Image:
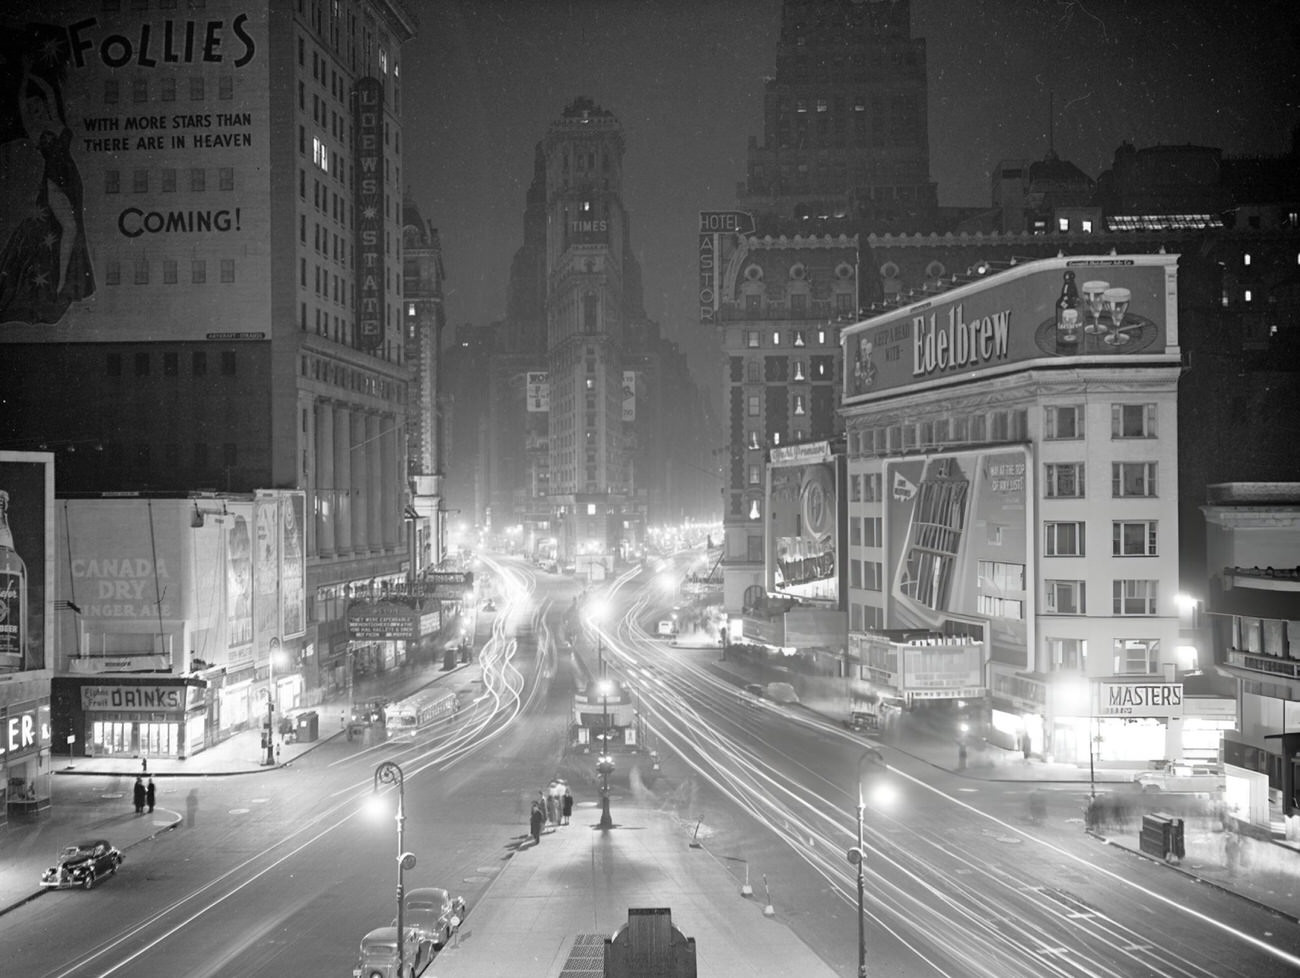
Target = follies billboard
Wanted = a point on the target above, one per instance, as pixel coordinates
(1120, 306)
(134, 171)
(803, 537)
(957, 546)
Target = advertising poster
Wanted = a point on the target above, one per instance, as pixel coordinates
(266, 569)
(956, 545)
(239, 583)
(1120, 307)
(803, 540)
(293, 570)
(26, 563)
(539, 392)
(629, 395)
(133, 159)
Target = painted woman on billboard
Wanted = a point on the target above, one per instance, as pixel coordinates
(45, 263)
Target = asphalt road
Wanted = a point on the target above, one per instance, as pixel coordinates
(282, 874)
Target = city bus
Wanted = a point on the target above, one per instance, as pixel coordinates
(404, 718)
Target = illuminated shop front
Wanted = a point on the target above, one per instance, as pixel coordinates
(25, 757)
(155, 716)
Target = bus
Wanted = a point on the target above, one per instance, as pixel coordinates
(404, 718)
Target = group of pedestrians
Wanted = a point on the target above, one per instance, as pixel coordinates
(554, 807)
(144, 795)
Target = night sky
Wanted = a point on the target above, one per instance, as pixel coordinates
(685, 78)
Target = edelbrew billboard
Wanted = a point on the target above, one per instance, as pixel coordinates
(1125, 307)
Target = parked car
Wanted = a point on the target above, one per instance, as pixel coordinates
(83, 865)
(1182, 776)
(434, 914)
(377, 957)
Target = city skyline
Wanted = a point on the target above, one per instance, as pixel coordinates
(485, 79)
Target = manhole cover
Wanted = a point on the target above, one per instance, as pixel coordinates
(239, 811)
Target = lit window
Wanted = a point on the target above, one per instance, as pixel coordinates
(1086, 225)
(1062, 224)
(1247, 296)
(1245, 259)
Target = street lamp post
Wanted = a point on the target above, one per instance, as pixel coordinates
(606, 763)
(859, 856)
(270, 701)
(391, 773)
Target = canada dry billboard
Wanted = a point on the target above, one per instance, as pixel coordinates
(1122, 306)
(956, 541)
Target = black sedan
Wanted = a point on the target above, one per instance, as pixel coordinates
(83, 865)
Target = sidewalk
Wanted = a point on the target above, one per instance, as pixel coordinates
(28, 845)
(550, 909)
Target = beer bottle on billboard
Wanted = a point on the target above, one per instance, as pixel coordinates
(13, 596)
(1069, 299)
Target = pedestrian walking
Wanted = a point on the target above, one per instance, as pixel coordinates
(150, 795)
(567, 802)
(138, 794)
(535, 823)
(553, 802)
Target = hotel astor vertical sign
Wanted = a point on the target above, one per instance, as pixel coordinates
(369, 177)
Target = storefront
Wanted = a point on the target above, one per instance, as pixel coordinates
(154, 717)
(25, 756)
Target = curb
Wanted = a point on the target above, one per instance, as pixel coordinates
(1194, 877)
(138, 842)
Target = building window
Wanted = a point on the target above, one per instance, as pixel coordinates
(140, 181)
(1135, 538)
(871, 487)
(1134, 597)
(113, 272)
(227, 363)
(142, 365)
(1136, 656)
(1063, 539)
(226, 87)
(855, 532)
(753, 405)
(140, 90)
(755, 475)
(169, 180)
(199, 364)
(872, 531)
(113, 365)
(112, 182)
(198, 271)
(1132, 479)
(873, 575)
(168, 88)
(995, 607)
(855, 573)
(110, 91)
(1132, 420)
(169, 271)
(171, 364)
(227, 269)
(1067, 654)
(141, 272)
(1065, 597)
(1063, 421)
(1001, 576)
(1063, 480)
(196, 88)
(226, 177)
(198, 178)
(752, 339)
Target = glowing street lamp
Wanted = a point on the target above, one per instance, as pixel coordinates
(391, 773)
(858, 854)
(605, 765)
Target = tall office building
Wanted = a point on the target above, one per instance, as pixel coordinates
(202, 228)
